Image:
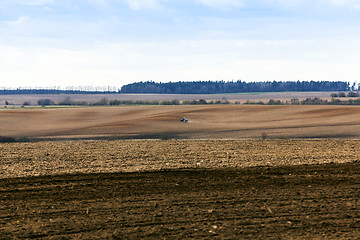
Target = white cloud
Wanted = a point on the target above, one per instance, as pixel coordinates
(20, 21)
(143, 4)
(223, 4)
(284, 3)
(34, 2)
(319, 3)
(229, 4)
(50, 48)
(354, 4)
(217, 4)
(342, 2)
(120, 63)
(101, 3)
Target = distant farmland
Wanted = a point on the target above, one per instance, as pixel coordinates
(205, 122)
(92, 98)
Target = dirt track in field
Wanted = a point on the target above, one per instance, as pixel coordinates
(205, 122)
(296, 202)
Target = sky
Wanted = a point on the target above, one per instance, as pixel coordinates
(62, 43)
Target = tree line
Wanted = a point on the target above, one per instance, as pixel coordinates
(49, 91)
(200, 87)
(307, 101)
(106, 102)
(216, 87)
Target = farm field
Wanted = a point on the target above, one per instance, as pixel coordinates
(205, 122)
(231, 172)
(180, 189)
(73, 157)
(18, 100)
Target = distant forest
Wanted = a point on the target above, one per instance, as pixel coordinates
(214, 87)
(203, 87)
(49, 91)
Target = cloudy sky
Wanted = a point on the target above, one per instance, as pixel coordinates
(46, 43)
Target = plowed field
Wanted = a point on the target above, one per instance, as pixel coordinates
(180, 189)
(68, 157)
(205, 122)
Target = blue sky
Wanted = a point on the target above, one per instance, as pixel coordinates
(48, 43)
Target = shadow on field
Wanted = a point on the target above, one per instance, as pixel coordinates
(309, 201)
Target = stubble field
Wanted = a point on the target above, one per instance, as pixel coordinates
(202, 187)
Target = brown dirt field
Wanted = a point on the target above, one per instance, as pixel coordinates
(68, 157)
(303, 202)
(180, 189)
(206, 122)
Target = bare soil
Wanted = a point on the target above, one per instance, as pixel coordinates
(69, 157)
(205, 122)
(294, 202)
(180, 189)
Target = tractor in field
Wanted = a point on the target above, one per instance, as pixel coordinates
(184, 120)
